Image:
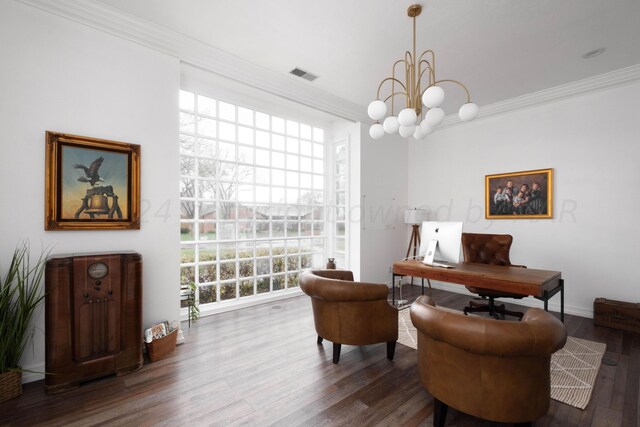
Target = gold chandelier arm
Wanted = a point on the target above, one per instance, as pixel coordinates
(399, 61)
(393, 80)
(432, 74)
(418, 90)
(415, 68)
(393, 75)
(432, 65)
(409, 76)
(429, 51)
(433, 57)
(424, 61)
(394, 94)
(422, 74)
(459, 84)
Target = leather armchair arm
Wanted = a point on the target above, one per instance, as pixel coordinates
(550, 333)
(539, 333)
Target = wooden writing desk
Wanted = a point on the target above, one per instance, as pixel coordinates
(540, 284)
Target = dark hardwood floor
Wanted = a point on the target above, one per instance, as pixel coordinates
(262, 366)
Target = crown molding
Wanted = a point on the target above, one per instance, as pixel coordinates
(188, 50)
(592, 84)
(113, 21)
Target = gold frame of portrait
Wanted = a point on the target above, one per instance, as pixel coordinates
(549, 190)
(53, 184)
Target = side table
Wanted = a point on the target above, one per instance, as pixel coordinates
(187, 294)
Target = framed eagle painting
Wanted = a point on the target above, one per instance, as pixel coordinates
(91, 184)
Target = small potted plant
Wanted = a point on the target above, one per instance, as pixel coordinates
(188, 294)
(21, 293)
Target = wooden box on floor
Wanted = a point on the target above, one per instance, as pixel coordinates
(159, 348)
(616, 315)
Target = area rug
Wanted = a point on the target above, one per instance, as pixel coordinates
(407, 334)
(574, 368)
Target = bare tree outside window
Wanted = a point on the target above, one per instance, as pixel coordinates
(251, 199)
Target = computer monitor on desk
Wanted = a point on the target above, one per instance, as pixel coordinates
(440, 241)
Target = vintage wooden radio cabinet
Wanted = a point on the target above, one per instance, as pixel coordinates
(93, 317)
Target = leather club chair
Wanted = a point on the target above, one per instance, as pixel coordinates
(489, 249)
(497, 370)
(348, 312)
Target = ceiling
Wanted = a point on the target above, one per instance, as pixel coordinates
(499, 49)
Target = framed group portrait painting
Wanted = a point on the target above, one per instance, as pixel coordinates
(91, 184)
(513, 195)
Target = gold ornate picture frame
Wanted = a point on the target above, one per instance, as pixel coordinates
(516, 195)
(91, 184)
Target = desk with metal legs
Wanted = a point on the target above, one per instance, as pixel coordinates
(540, 284)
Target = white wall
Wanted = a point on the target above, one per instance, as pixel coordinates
(62, 76)
(383, 175)
(592, 143)
(349, 132)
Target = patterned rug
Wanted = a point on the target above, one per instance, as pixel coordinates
(574, 368)
(407, 334)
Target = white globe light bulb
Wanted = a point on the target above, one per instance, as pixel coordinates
(377, 109)
(426, 128)
(433, 96)
(391, 125)
(407, 131)
(468, 112)
(376, 131)
(419, 133)
(434, 116)
(407, 117)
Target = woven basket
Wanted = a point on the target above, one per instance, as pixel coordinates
(10, 385)
(159, 348)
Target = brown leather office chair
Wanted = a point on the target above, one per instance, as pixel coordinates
(497, 370)
(489, 249)
(348, 312)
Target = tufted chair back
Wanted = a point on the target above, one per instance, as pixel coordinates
(348, 312)
(487, 248)
(497, 370)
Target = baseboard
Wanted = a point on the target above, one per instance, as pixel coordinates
(223, 306)
(180, 339)
(36, 374)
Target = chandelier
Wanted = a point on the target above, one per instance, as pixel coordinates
(418, 72)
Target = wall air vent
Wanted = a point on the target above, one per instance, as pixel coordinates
(304, 74)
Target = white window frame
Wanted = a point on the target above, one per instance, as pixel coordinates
(342, 256)
(317, 257)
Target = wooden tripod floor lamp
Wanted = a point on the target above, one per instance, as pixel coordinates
(414, 217)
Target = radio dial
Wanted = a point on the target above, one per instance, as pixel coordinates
(98, 270)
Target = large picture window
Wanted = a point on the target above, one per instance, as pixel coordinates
(252, 199)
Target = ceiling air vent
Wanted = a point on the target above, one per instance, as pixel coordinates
(304, 74)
